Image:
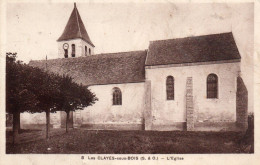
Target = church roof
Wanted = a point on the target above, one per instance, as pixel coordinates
(75, 28)
(214, 47)
(112, 68)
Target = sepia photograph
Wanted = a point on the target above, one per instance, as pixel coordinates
(94, 77)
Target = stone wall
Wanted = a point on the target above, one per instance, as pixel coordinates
(241, 104)
(38, 120)
(104, 115)
(169, 112)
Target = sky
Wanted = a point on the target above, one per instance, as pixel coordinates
(33, 28)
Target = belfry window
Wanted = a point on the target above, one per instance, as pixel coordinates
(212, 86)
(66, 53)
(117, 96)
(73, 52)
(86, 50)
(170, 88)
(89, 51)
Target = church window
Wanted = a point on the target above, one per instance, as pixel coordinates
(66, 53)
(86, 50)
(212, 86)
(89, 51)
(170, 88)
(117, 96)
(73, 50)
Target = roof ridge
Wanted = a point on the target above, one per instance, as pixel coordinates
(95, 56)
(120, 52)
(78, 21)
(191, 37)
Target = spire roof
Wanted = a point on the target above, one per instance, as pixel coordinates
(75, 28)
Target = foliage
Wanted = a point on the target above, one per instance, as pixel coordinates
(248, 138)
(19, 96)
(27, 88)
(73, 96)
(33, 90)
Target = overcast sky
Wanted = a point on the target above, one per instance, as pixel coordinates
(33, 28)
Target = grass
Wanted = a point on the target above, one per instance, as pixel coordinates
(80, 141)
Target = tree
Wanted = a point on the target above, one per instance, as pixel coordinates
(73, 97)
(32, 90)
(18, 96)
(29, 89)
(46, 91)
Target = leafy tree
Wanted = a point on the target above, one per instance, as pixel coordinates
(29, 89)
(73, 97)
(32, 90)
(19, 97)
(46, 89)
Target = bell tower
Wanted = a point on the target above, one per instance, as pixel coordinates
(75, 41)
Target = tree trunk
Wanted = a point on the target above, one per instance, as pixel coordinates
(67, 121)
(47, 123)
(16, 115)
(19, 123)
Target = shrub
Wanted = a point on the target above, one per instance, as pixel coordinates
(248, 138)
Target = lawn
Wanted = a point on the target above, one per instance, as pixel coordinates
(80, 141)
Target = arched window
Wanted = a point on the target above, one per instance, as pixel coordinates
(89, 51)
(117, 96)
(86, 50)
(66, 53)
(73, 52)
(212, 86)
(170, 88)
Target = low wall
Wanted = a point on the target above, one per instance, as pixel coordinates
(113, 126)
(177, 126)
(215, 126)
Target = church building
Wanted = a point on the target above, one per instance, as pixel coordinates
(190, 83)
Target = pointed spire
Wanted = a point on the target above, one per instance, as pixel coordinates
(75, 28)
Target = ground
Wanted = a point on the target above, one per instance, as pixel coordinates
(80, 141)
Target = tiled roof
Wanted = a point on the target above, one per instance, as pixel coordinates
(75, 28)
(215, 47)
(113, 68)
